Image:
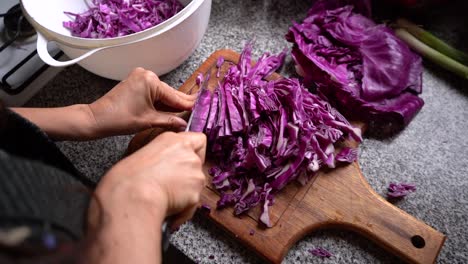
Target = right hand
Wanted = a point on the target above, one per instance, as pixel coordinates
(165, 174)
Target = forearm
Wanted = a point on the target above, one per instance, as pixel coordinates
(75, 122)
(123, 229)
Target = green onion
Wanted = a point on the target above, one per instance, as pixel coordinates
(432, 54)
(432, 41)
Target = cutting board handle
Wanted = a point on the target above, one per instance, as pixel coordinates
(372, 216)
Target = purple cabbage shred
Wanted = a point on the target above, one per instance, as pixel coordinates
(116, 18)
(400, 190)
(199, 79)
(347, 155)
(320, 252)
(219, 63)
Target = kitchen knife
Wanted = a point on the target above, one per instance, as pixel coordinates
(204, 86)
(166, 232)
(189, 122)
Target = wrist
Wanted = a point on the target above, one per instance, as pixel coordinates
(124, 223)
(146, 202)
(83, 124)
(91, 124)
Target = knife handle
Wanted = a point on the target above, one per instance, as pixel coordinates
(166, 235)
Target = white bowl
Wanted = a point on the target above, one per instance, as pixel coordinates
(161, 48)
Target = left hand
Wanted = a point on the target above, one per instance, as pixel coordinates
(129, 107)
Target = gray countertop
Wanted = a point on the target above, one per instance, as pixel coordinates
(431, 152)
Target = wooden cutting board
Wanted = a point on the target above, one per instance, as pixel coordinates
(338, 198)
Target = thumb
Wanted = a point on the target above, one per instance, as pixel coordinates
(167, 120)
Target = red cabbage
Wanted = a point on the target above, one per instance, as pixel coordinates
(264, 134)
(201, 109)
(347, 155)
(320, 252)
(199, 79)
(219, 63)
(400, 190)
(361, 68)
(115, 18)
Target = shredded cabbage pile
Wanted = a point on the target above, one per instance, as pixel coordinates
(360, 67)
(264, 134)
(115, 18)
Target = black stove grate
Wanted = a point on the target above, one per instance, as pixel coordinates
(5, 86)
(18, 27)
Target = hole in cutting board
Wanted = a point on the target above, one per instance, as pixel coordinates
(418, 241)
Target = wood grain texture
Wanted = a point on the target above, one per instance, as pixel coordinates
(338, 198)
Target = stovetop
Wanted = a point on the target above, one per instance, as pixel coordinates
(22, 72)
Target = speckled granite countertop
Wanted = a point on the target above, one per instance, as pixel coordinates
(432, 152)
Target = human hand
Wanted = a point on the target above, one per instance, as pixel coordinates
(164, 178)
(129, 107)
(166, 175)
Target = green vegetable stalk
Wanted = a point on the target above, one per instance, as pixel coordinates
(433, 41)
(432, 54)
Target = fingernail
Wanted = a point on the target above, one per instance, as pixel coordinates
(182, 128)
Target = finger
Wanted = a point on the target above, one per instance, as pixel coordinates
(184, 115)
(190, 97)
(183, 217)
(198, 143)
(160, 106)
(173, 98)
(168, 120)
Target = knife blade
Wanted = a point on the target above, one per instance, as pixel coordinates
(166, 232)
(204, 86)
(189, 122)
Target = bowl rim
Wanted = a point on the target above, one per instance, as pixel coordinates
(79, 42)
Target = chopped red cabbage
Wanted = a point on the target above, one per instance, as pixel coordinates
(361, 68)
(400, 190)
(199, 79)
(219, 63)
(264, 134)
(320, 252)
(115, 18)
(347, 155)
(201, 110)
